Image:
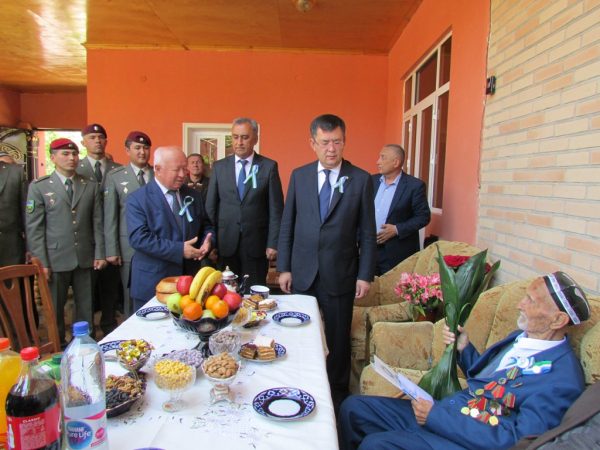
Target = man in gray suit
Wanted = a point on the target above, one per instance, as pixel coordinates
(13, 193)
(118, 184)
(65, 232)
(327, 241)
(244, 203)
(95, 167)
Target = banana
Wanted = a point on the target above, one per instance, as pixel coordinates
(214, 278)
(199, 280)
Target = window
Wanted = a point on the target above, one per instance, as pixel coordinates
(426, 99)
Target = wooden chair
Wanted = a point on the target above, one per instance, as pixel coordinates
(14, 320)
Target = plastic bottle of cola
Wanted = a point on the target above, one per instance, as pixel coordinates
(33, 408)
(83, 396)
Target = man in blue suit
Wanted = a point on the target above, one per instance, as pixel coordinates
(327, 241)
(166, 222)
(401, 209)
(520, 386)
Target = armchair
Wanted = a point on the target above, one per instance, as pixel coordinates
(412, 348)
(383, 305)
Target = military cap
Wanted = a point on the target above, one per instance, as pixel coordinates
(139, 137)
(63, 144)
(93, 128)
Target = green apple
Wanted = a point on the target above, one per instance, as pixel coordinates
(173, 303)
(208, 313)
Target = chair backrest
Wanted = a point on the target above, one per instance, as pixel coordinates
(17, 318)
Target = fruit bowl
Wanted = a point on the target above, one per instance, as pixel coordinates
(204, 327)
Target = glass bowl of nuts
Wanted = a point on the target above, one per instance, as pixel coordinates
(174, 377)
(220, 370)
(225, 342)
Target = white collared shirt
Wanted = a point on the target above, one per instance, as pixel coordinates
(168, 196)
(333, 176)
(524, 347)
(247, 167)
(93, 162)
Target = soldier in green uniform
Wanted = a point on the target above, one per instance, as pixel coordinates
(119, 183)
(95, 167)
(65, 231)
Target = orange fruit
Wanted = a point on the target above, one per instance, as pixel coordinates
(220, 309)
(193, 311)
(185, 300)
(210, 301)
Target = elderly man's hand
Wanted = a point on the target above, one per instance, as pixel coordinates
(448, 337)
(205, 249)
(189, 251)
(421, 409)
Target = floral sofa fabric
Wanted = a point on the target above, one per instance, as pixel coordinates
(412, 348)
(383, 305)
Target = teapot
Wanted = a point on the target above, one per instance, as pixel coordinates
(231, 283)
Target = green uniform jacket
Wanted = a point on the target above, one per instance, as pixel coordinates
(13, 192)
(87, 171)
(119, 183)
(61, 235)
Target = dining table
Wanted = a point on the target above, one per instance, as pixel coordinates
(230, 425)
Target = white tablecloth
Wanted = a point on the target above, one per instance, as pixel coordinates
(224, 425)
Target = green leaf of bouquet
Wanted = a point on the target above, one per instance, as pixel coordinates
(451, 315)
(470, 275)
(447, 278)
(484, 284)
(464, 314)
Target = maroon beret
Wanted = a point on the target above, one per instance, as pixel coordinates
(139, 137)
(63, 144)
(93, 128)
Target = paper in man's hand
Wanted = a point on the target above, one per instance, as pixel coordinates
(400, 381)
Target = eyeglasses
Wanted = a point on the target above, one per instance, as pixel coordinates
(337, 144)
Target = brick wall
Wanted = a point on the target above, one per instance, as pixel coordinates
(540, 166)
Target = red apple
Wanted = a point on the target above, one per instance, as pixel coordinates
(184, 283)
(233, 300)
(219, 290)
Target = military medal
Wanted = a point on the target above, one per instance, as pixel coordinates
(465, 410)
(498, 391)
(516, 385)
(512, 373)
(538, 368)
(509, 400)
(484, 417)
(491, 385)
(493, 421)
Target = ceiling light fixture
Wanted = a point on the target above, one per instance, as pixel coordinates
(304, 5)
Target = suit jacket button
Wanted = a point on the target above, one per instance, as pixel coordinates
(319, 249)
(73, 211)
(74, 222)
(75, 244)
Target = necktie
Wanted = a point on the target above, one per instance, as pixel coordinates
(325, 195)
(98, 172)
(175, 208)
(241, 178)
(141, 178)
(69, 184)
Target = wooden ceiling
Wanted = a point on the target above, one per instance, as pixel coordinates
(43, 42)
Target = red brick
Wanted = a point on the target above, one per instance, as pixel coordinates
(496, 189)
(549, 72)
(545, 266)
(551, 175)
(558, 83)
(590, 246)
(510, 76)
(515, 216)
(582, 57)
(563, 257)
(589, 107)
(539, 220)
(526, 27)
(509, 127)
(524, 176)
(532, 121)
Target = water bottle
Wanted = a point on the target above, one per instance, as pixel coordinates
(83, 396)
(33, 408)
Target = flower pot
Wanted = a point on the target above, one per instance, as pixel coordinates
(430, 315)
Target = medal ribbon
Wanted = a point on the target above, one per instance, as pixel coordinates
(340, 184)
(252, 175)
(187, 201)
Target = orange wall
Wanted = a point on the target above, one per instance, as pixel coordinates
(65, 111)
(156, 91)
(10, 108)
(469, 21)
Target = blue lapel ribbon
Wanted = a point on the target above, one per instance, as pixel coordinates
(185, 209)
(252, 175)
(340, 184)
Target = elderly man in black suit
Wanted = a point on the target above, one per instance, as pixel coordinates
(244, 203)
(401, 209)
(329, 207)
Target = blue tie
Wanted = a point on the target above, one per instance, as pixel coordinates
(325, 195)
(241, 178)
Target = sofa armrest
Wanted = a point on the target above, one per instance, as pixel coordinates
(372, 298)
(403, 345)
(397, 312)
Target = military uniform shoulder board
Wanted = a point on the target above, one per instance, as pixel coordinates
(45, 177)
(30, 206)
(116, 169)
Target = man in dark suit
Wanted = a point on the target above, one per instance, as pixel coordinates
(65, 232)
(166, 222)
(119, 183)
(13, 194)
(95, 167)
(401, 209)
(329, 205)
(245, 202)
(520, 386)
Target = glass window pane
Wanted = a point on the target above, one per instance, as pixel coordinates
(445, 54)
(427, 78)
(407, 159)
(442, 126)
(407, 94)
(413, 145)
(425, 145)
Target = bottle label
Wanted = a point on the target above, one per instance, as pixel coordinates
(89, 432)
(28, 433)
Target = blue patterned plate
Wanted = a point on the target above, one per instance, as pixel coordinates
(279, 352)
(284, 403)
(291, 318)
(153, 313)
(109, 346)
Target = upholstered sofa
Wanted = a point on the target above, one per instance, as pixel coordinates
(411, 348)
(382, 303)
